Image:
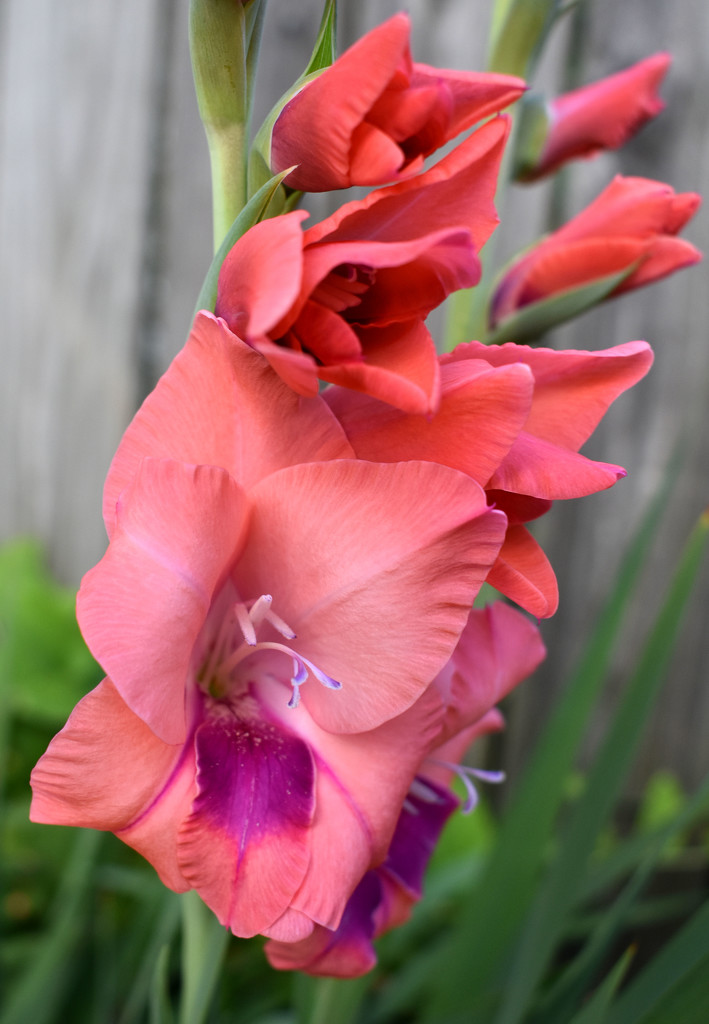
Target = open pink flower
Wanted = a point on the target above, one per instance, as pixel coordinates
(603, 115)
(513, 418)
(252, 557)
(345, 301)
(629, 229)
(498, 649)
(374, 115)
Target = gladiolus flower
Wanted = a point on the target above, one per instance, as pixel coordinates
(345, 301)
(603, 115)
(374, 115)
(269, 653)
(513, 418)
(626, 235)
(498, 649)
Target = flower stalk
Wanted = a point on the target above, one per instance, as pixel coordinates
(224, 40)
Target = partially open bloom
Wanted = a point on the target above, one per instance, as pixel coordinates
(628, 235)
(345, 301)
(513, 418)
(498, 649)
(603, 115)
(270, 613)
(374, 115)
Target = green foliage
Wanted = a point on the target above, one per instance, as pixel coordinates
(519, 31)
(325, 49)
(268, 201)
(528, 324)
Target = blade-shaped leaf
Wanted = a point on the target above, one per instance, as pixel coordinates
(530, 322)
(256, 209)
(594, 1012)
(520, 28)
(653, 996)
(575, 979)
(469, 961)
(325, 47)
(563, 881)
(37, 994)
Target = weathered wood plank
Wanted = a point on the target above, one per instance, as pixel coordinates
(104, 220)
(77, 90)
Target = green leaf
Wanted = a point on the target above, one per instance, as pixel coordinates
(325, 48)
(563, 881)
(520, 29)
(594, 1012)
(329, 1000)
(45, 666)
(204, 942)
(147, 985)
(38, 992)
(489, 919)
(574, 980)
(530, 322)
(687, 1001)
(684, 961)
(258, 208)
(532, 130)
(219, 49)
(160, 1008)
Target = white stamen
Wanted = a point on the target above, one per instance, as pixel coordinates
(464, 773)
(260, 609)
(282, 627)
(424, 792)
(246, 624)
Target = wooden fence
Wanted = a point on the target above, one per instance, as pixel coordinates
(104, 238)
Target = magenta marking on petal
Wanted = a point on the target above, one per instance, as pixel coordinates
(417, 833)
(253, 776)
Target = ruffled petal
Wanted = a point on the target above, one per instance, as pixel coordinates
(474, 95)
(393, 554)
(572, 389)
(411, 277)
(522, 572)
(481, 413)
(106, 769)
(498, 648)
(260, 278)
(399, 367)
(349, 87)
(363, 779)
(219, 404)
(457, 192)
(544, 470)
(345, 952)
(178, 529)
(244, 848)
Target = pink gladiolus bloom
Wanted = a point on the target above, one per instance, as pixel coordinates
(345, 301)
(374, 115)
(498, 649)
(630, 227)
(603, 115)
(513, 418)
(270, 613)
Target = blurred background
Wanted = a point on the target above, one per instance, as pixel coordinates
(105, 237)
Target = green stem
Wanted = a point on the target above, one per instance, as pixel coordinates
(329, 1000)
(204, 943)
(220, 37)
(467, 310)
(227, 155)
